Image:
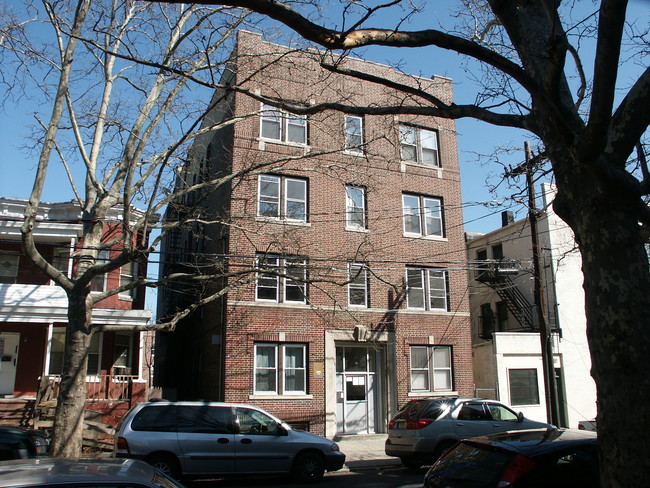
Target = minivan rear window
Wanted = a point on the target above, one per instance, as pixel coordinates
(422, 409)
(160, 418)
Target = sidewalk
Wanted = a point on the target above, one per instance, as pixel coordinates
(365, 451)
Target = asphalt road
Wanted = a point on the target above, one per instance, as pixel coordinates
(367, 478)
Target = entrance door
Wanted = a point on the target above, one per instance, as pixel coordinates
(356, 385)
(9, 358)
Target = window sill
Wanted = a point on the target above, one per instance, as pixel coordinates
(264, 141)
(272, 220)
(360, 230)
(425, 238)
(404, 164)
(416, 394)
(274, 302)
(358, 154)
(261, 396)
(125, 298)
(425, 311)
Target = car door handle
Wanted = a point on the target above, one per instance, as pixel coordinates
(246, 441)
(223, 440)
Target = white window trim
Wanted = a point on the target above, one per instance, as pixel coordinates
(285, 120)
(91, 377)
(129, 295)
(418, 146)
(275, 368)
(300, 262)
(129, 358)
(422, 217)
(277, 279)
(431, 369)
(103, 260)
(13, 260)
(280, 281)
(349, 208)
(353, 150)
(364, 275)
(283, 198)
(425, 274)
(280, 371)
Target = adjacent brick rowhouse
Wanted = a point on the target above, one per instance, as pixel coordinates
(212, 353)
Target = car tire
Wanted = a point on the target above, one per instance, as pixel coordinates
(411, 463)
(308, 467)
(165, 463)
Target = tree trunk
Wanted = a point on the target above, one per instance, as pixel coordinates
(617, 300)
(69, 416)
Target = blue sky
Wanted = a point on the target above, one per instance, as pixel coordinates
(481, 209)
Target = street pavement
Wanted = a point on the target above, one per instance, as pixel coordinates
(365, 451)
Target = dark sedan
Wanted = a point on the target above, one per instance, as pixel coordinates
(555, 458)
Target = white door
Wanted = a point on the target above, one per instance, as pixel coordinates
(9, 358)
(356, 393)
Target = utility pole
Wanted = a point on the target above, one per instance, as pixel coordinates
(552, 404)
(546, 342)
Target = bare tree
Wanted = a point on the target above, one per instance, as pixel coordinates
(127, 83)
(537, 81)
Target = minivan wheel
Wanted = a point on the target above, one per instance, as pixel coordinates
(308, 466)
(166, 464)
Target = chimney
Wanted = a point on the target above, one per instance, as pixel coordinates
(507, 218)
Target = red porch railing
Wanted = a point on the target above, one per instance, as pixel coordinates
(99, 388)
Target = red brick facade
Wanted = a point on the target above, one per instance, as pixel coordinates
(326, 323)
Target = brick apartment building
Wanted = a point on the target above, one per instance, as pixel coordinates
(354, 226)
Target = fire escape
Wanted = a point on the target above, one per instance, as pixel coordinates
(497, 275)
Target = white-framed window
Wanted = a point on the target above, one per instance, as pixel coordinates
(57, 347)
(9, 267)
(279, 125)
(123, 353)
(358, 285)
(285, 279)
(419, 145)
(431, 368)
(100, 282)
(128, 274)
(422, 215)
(61, 260)
(355, 207)
(354, 134)
(280, 369)
(426, 289)
(282, 198)
(523, 386)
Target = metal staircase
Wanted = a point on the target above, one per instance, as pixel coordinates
(496, 275)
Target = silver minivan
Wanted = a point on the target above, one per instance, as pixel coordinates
(196, 439)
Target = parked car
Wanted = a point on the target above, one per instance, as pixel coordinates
(21, 442)
(424, 428)
(558, 458)
(192, 439)
(82, 473)
(589, 425)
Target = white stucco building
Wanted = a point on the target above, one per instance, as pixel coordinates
(506, 343)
